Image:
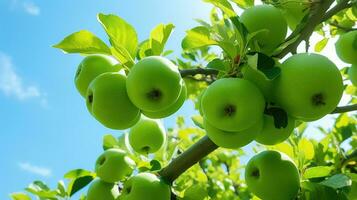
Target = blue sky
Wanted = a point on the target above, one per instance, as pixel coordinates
(46, 129)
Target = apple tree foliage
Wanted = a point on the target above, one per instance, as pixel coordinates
(195, 167)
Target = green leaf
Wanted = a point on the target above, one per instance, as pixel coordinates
(79, 183)
(122, 36)
(79, 178)
(218, 64)
(265, 64)
(337, 181)
(317, 172)
(320, 45)
(61, 189)
(144, 50)
(224, 5)
(78, 173)
(155, 165)
(314, 191)
(83, 42)
(41, 190)
(198, 120)
(244, 3)
(109, 141)
(196, 38)
(306, 148)
(159, 37)
(20, 196)
(280, 116)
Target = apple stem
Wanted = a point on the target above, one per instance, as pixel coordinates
(187, 159)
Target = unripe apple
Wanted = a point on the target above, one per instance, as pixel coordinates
(233, 140)
(147, 136)
(232, 104)
(108, 102)
(114, 165)
(270, 135)
(99, 190)
(269, 18)
(352, 74)
(309, 87)
(346, 47)
(171, 109)
(145, 186)
(272, 175)
(154, 84)
(91, 67)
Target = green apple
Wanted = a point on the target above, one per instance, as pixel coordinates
(260, 80)
(154, 84)
(309, 87)
(269, 19)
(147, 136)
(352, 74)
(145, 186)
(108, 101)
(171, 109)
(346, 47)
(233, 140)
(100, 190)
(114, 165)
(232, 104)
(196, 192)
(272, 175)
(270, 135)
(90, 68)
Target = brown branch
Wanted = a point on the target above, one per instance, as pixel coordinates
(344, 109)
(333, 11)
(313, 20)
(342, 27)
(187, 159)
(196, 71)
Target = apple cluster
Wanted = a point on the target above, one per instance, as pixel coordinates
(114, 166)
(239, 110)
(153, 87)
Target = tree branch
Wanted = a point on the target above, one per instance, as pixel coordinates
(341, 27)
(344, 109)
(333, 11)
(187, 159)
(196, 71)
(314, 19)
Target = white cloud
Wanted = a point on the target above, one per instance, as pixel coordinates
(11, 83)
(33, 169)
(29, 7)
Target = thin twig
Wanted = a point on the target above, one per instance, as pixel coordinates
(342, 27)
(196, 71)
(344, 109)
